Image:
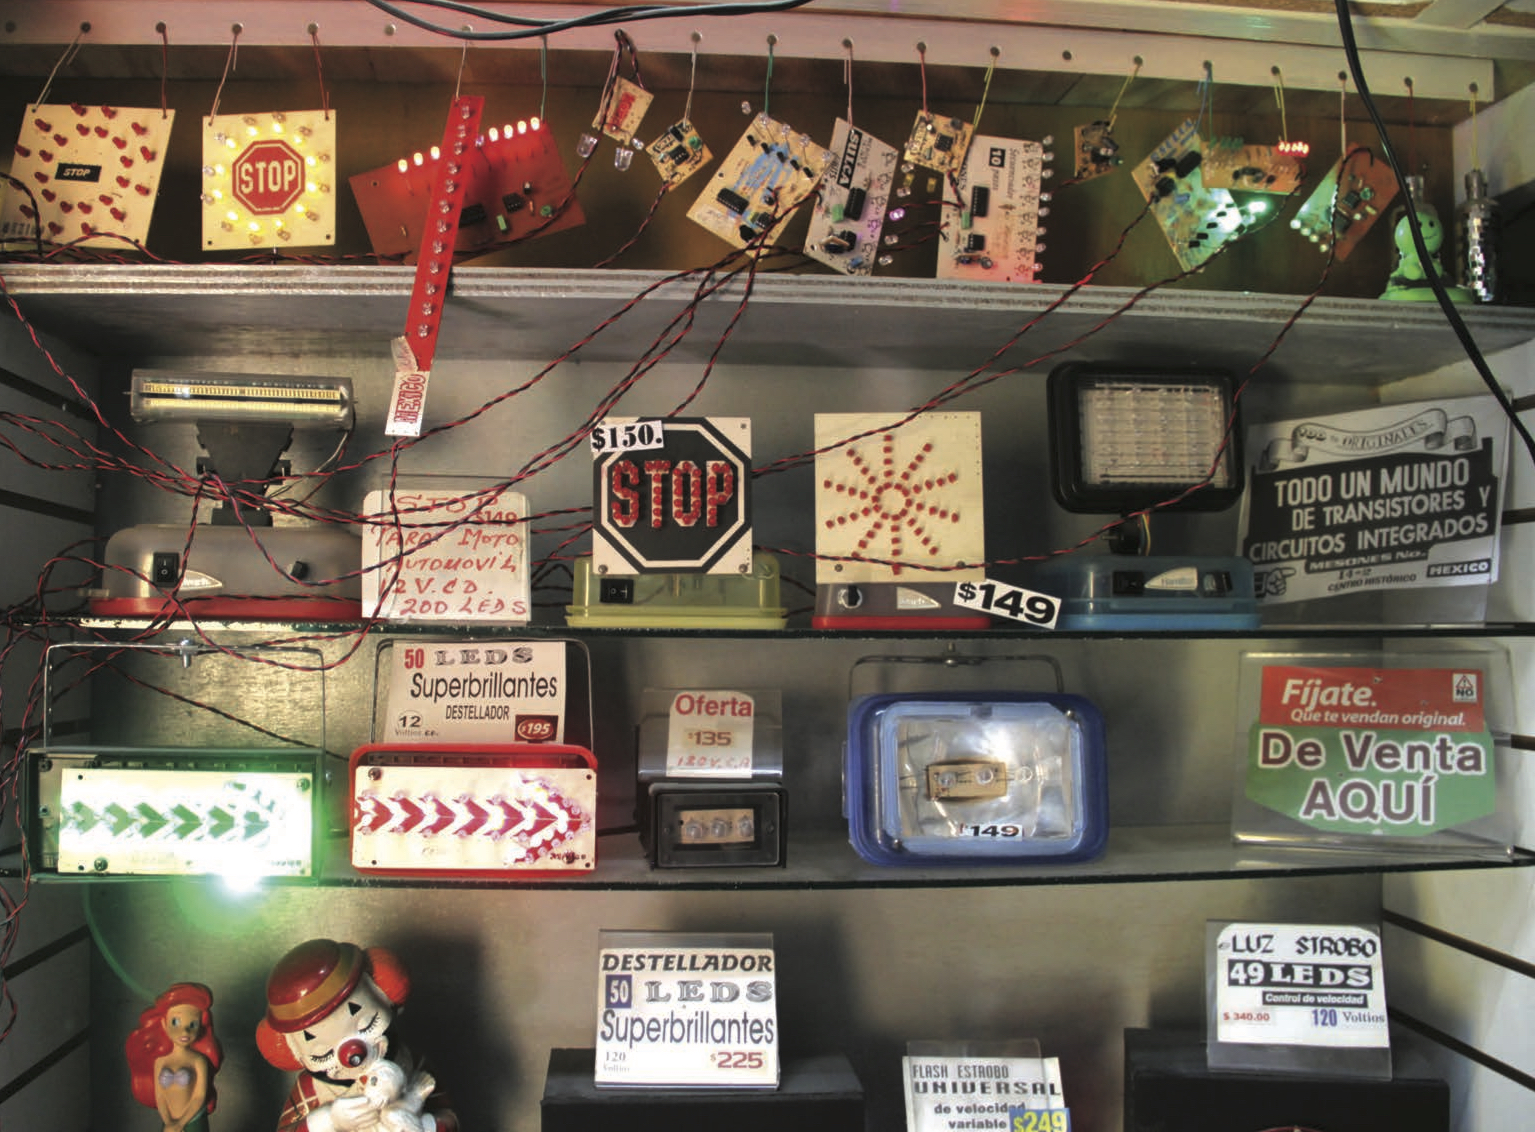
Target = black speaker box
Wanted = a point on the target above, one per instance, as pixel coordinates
(814, 1094)
(1168, 1088)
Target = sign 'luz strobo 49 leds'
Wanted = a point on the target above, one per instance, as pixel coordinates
(682, 507)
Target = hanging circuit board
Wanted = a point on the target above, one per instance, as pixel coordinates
(762, 180)
(1196, 220)
(92, 174)
(850, 206)
(992, 210)
(517, 187)
(939, 144)
(1095, 151)
(678, 153)
(622, 110)
(1228, 164)
(1355, 194)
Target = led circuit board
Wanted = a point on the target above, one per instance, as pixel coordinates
(767, 174)
(1228, 164)
(516, 187)
(679, 153)
(850, 207)
(898, 495)
(993, 230)
(939, 144)
(1196, 220)
(1355, 194)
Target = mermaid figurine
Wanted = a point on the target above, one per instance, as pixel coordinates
(173, 1057)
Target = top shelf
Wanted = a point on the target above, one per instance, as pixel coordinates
(351, 312)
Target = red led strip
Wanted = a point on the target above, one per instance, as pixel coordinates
(423, 319)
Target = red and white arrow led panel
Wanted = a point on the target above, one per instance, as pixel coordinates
(900, 496)
(467, 811)
(235, 823)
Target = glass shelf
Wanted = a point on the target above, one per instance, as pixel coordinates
(346, 312)
(1000, 633)
(825, 860)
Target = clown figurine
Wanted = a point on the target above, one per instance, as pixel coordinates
(329, 1009)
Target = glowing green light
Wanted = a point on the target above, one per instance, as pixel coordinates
(1258, 206)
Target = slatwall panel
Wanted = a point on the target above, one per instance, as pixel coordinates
(45, 1058)
(1460, 947)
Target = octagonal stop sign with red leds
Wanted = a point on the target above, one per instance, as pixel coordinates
(681, 507)
(267, 176)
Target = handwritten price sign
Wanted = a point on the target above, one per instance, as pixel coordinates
(627, 435)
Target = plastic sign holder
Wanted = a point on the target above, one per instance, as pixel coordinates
(482, 691)
(691, 1010)
(446, 549)
(994, 1084)
(1379, 752)
(1296, 998)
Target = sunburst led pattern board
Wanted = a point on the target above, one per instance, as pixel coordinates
(269, 179)
(850, 208)
(1355, 194)
(679, 153)
(770, 170)
(993, 230)
(938, 143)
(1228, 164)
(92, 171)
(1196, 221)
(515, 187)
(898, 496)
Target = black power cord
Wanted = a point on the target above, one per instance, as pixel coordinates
(1468, 343)
(532, 28)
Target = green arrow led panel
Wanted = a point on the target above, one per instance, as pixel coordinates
(234, 814)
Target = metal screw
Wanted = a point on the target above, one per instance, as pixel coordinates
(99, 864)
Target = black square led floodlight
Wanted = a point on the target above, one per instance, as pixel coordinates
(1126, 438)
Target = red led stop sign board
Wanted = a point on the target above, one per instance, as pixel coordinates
(683, 507)
(267, 176)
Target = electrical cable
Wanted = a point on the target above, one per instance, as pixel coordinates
(530, 27)
(1446, 304)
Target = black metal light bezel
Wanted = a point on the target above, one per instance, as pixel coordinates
(669, 800)
(1073, 492)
